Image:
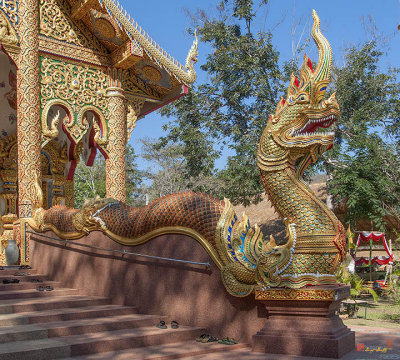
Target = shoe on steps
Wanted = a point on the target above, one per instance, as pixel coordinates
(174, 324)
(162, 325)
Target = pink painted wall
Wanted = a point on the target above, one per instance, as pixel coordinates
(190, 294)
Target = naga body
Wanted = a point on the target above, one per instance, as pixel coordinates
(289, 144)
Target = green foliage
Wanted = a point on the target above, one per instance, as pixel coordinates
(356, 283)
(365, 162)
(394, 284)
(168, 166)
(232, 108)
(242, 88)
(90, 182)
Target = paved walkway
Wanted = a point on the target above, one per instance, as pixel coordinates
(371, 343)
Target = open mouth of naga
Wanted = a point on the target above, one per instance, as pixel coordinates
(310, 127)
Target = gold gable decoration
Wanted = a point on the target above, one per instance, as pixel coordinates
(56, 24)
(7, 33)
(10, 8)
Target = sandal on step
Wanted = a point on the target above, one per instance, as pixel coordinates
(207, 338)
(162, 325)
(49, 288)
(227, 341)
(201, 337)
(174, 324)
(40, 288)
(212, 339)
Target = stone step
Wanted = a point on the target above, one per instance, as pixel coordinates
(75, 327)
(187, 349)
(12, 271)
(61, 324)
(25, 285)
(247, 354)
(21, 333)
(32, 293)
(100, 324)
(127, 339)
(48, 303)
(40, 349)
(64, 314)
(24, 278)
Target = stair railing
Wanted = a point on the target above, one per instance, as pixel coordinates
(122, 252)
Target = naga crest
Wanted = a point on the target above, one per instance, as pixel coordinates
(293, 132)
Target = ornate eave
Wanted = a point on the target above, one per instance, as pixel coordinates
(122, 44)
(101, 33)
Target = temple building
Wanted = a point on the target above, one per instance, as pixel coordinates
(75, 77)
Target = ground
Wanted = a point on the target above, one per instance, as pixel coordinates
(383, 314)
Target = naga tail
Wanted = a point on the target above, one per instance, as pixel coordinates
(233, 245)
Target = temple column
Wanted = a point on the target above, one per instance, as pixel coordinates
(28, 123)
(28, 107)
(115, 164)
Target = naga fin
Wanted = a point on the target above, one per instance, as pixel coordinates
(230, 274)
(267, 247)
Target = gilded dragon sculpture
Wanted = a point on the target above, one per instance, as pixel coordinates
(288, 145)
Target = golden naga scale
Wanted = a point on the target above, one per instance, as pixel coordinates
(289, 144)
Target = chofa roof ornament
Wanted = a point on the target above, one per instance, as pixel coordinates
(313, 82)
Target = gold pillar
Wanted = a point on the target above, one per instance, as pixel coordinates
(28, 110)
(28, 124)
(115, 164)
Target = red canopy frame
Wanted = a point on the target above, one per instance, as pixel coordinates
(365, 236)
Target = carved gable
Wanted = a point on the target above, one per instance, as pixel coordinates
(55, 23)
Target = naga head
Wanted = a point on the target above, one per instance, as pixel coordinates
(294, 131)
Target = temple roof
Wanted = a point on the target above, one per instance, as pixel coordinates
(117, 41)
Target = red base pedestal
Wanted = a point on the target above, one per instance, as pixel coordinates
(303, 322)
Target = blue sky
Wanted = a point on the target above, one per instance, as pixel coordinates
(343, 22)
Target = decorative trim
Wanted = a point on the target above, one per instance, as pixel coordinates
(52, 133)
(152, 49)
(73, 52)
(115, 164)
(28, 106)
(307, 294)
(8, 35)
(133, 107)
(138, 241)
(10, 8)
(56, 24)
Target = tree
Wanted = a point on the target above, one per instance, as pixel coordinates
(365, 164)
(168, 174)
(244, 81)
(91, 181)
(233, 107)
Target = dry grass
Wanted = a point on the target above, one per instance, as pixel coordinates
(379, 314)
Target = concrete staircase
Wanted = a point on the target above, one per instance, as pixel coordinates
(61, 324)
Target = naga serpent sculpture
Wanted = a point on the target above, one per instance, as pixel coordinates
(288, 145)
